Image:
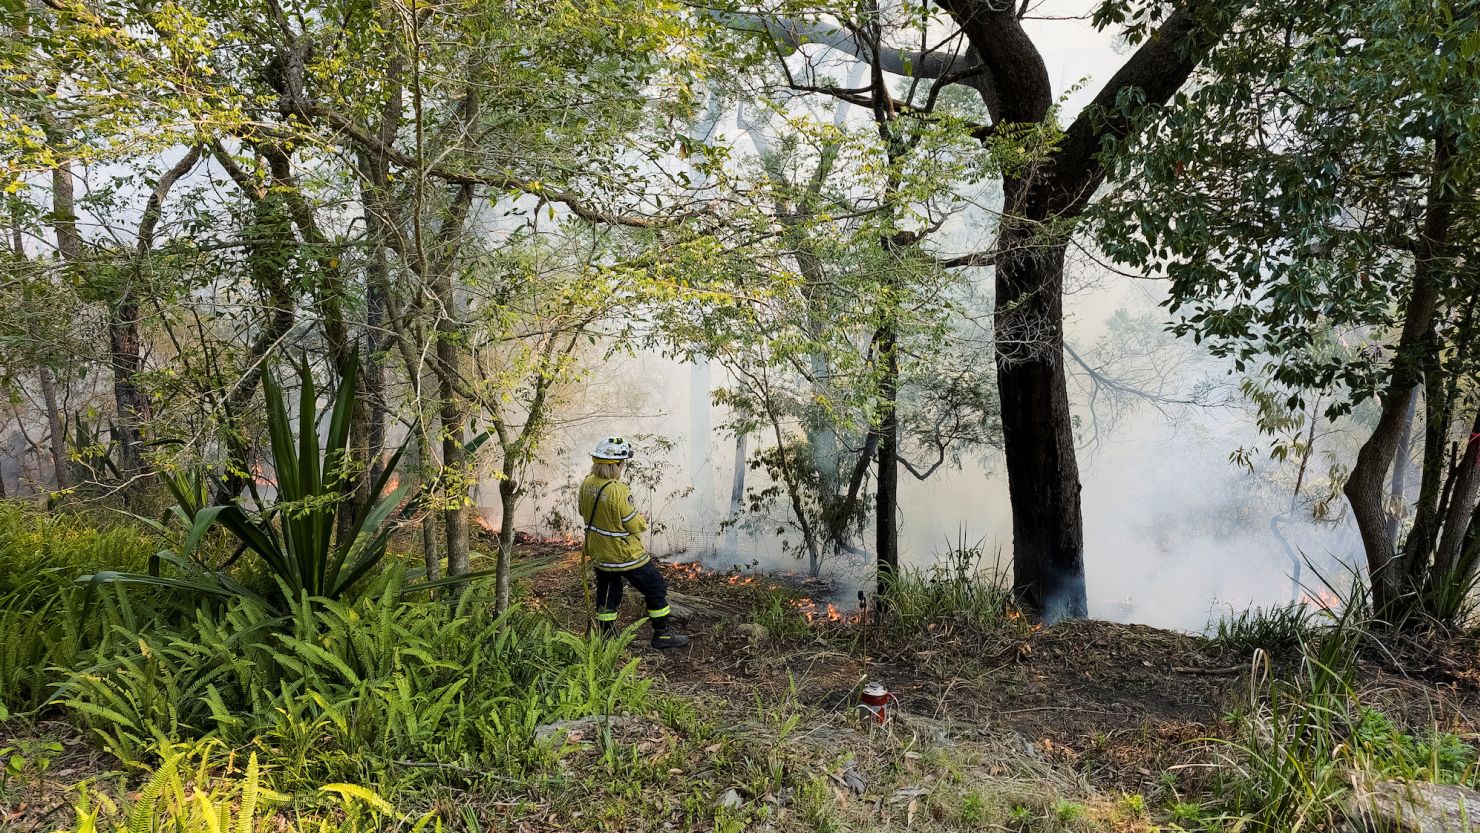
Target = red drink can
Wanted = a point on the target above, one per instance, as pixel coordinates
(874, 705)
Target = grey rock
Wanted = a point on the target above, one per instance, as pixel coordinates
(1413, 807)
(753, 632)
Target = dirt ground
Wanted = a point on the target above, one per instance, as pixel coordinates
(1121, 704)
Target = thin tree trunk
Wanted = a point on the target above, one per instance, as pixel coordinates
(1418, 551)
(1464, 494)
(328, 296)
(125, 343)
(452, 409)
(431, 554)
(737, 496)
(454, 460)
(269, 246)
(69, 246)
(508, 495)
(1401, 462)
(886, 499)
(55, 427)
(377, 287)
(127, 361)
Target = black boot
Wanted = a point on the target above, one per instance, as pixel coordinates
(606, 629)
(664, 638)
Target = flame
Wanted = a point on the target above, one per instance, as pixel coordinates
(1323, 599)
(484, 523)
(687, 569)
(259, 475)
(827, 613)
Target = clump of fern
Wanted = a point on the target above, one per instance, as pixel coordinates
(350, 690)
(200, 787)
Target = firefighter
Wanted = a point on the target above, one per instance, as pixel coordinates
(614, 548)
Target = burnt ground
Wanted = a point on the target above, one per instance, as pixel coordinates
(1123, 705)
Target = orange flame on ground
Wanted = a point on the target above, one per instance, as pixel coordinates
(827, 613)
(1323, 599)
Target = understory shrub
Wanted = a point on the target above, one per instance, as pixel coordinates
(203, 788)
(1302, 742)
(958, 592)
(347, 690)
(49, 625)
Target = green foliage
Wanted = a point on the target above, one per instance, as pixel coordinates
(1268, 628)
(1283, 195)
(49, 624)
(343, 690)
(26, 758)
(779, 614)
(202, 788)
(294, 536)
(958, 593)
(1302, 742)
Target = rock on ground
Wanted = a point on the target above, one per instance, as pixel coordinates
(1403, 807)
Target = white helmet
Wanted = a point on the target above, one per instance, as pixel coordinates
(612, 450)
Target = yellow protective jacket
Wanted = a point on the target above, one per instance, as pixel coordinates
(613, 527)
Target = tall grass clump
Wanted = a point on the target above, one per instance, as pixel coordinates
(347, 690)
(1271, 629)
(959, 592)
(1302, 742)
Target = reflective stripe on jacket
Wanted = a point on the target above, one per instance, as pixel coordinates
(612, 534)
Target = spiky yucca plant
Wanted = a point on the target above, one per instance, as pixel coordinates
(294, 534)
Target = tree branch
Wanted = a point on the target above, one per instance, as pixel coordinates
(967, 68)
(1153, 75)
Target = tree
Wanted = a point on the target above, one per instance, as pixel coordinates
(830, 317)
(1317, 187)
(364, 146)
(1043, 198)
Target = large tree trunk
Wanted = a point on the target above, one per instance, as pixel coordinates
(1364, 486)
(1043, 476)
(1037, 428)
